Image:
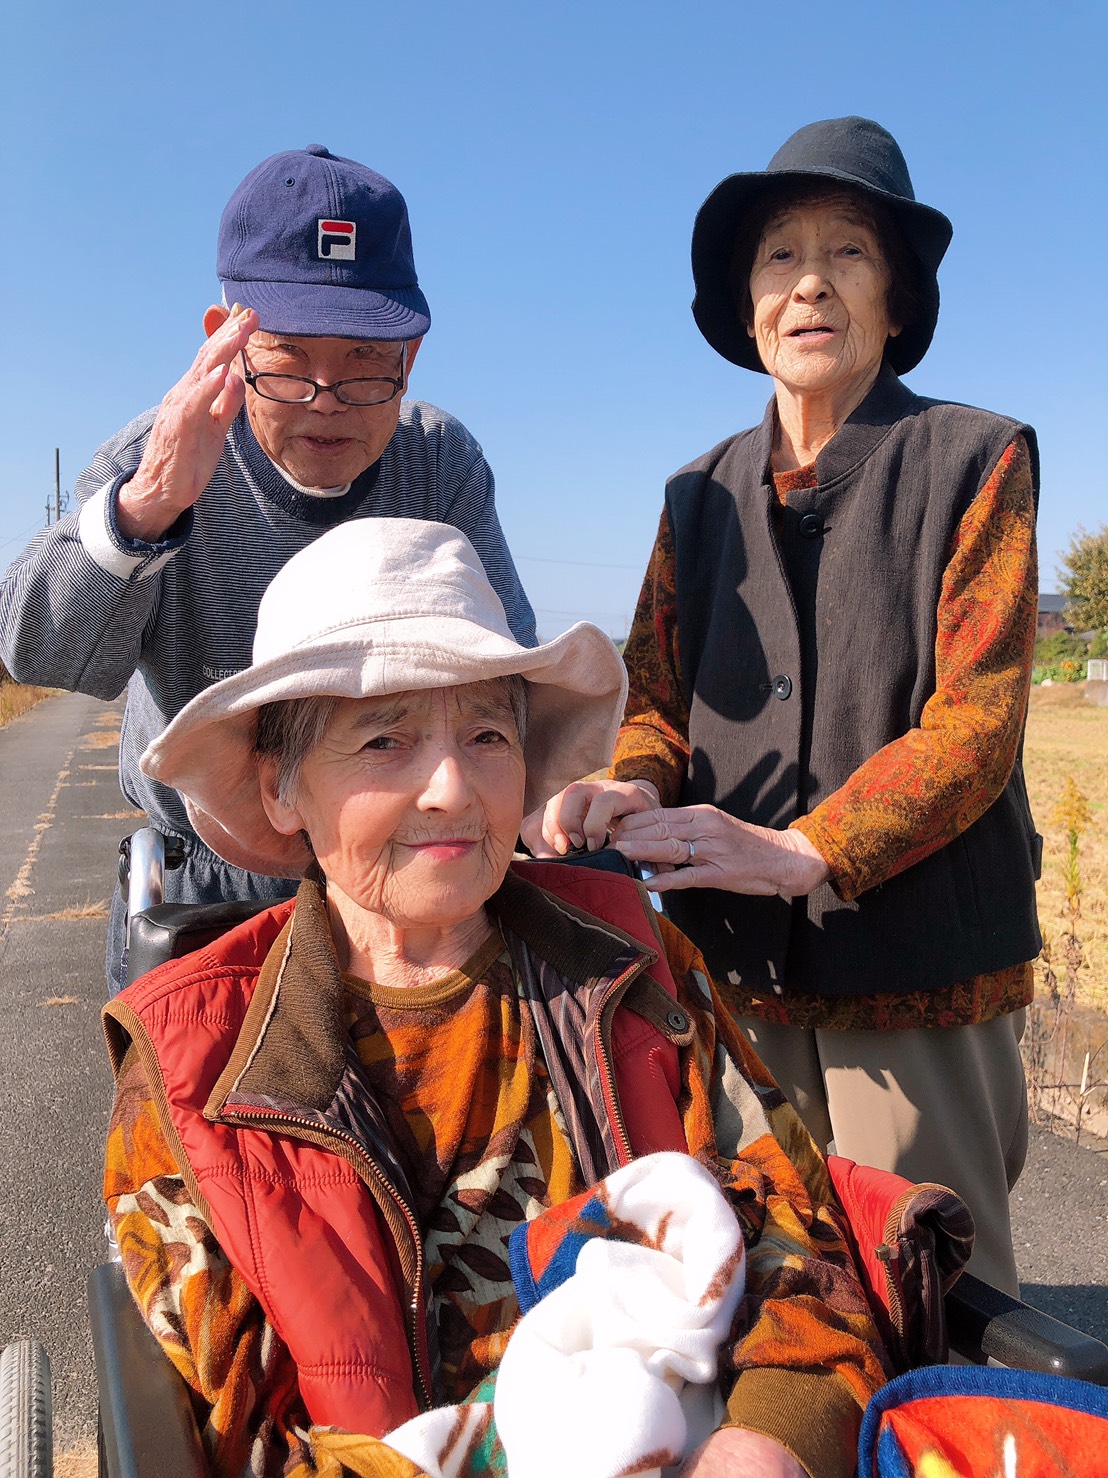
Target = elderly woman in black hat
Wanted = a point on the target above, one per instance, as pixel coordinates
(829, 668)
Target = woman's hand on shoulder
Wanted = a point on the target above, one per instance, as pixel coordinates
(733, 1452)
(583, 815)
(703, 847)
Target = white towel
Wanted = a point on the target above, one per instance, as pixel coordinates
(613, 1372)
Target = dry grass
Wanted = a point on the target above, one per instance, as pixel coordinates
(16, 699)
(1068, 736)
(90, 910)
(100, 741)
(77, 1462)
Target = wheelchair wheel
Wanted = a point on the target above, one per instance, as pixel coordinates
(26, 1446)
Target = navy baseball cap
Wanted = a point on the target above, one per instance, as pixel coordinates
(320, 245)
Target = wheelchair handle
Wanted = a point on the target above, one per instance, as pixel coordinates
(146, 877)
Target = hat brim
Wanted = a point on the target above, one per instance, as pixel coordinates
(926, 230)
(320, 310)
(577, 689)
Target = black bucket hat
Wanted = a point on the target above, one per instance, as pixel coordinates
(856, 153)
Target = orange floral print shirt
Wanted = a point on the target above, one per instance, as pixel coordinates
(917, 793)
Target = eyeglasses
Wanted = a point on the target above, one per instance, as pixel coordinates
(299, 390)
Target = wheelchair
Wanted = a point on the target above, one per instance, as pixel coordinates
(147, 1426)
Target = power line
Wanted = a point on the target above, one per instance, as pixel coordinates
(607, 615)
(18, 538)
(583, 564)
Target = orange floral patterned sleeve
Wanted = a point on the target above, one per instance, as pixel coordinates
(919, 792)
(204, 1316)
(653, 743)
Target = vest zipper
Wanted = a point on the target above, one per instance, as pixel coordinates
(889, 1254)
(386, 1196)
(612, 995)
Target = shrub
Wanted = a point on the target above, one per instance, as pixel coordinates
(1098, 647)
(1061, 658)
(1060, 646)
(1068, 671)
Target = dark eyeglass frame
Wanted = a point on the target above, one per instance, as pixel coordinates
(316, 387)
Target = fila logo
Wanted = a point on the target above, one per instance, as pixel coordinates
(336, 240)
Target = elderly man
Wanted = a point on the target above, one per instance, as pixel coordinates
(290, 421)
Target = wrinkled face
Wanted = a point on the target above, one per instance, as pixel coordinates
(819, 288)
(413, 802)
(323, 444)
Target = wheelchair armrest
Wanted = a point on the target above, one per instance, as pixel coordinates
(985, 1324)
(147, 1424)
(165, 931)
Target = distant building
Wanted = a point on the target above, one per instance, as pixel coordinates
(1052, 615)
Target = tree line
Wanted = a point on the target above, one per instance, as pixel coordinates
(1063, 656)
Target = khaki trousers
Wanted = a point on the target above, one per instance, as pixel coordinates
(945, 1104)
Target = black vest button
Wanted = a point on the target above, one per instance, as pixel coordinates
(811, 526)
(782, 687)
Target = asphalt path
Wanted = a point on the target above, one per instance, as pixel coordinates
(1059, 1214)
(61, 819)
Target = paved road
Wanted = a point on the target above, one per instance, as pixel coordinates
(1060, 1230)
(60, 823)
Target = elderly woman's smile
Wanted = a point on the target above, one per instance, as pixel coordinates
(412, 803)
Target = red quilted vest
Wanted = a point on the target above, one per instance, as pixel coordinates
(296, 1217)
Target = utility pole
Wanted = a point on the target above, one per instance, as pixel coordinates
(57, 486)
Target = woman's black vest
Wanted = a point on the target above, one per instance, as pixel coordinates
(803, 655)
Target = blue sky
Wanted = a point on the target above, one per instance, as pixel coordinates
(553, 157)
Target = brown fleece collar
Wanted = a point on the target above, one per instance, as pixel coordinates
(292, 1046)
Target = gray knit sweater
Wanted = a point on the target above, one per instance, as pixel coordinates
(85, 609)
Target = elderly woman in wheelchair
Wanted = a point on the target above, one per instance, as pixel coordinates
(353, 1138)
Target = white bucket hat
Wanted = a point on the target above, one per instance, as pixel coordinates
(377, 606)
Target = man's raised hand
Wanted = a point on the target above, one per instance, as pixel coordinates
(189, 431)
